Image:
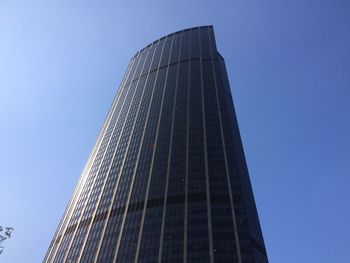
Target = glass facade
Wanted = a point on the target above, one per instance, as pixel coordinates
(167, 179)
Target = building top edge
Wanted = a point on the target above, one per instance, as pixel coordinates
(168, 35)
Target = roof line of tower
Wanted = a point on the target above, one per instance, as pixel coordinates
(168, 35)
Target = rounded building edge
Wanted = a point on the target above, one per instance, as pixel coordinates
(168, 35)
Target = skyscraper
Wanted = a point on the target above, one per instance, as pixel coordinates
(167, 179)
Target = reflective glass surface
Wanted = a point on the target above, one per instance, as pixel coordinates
(167, 180)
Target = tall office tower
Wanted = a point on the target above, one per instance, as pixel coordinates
(167, 179)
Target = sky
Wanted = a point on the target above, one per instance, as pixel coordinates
(289, 68)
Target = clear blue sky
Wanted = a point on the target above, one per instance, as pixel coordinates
(289, 69)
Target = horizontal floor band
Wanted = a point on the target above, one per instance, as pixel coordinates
(152, 203)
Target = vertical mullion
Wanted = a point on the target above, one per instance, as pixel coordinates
(187, 150)
(109, 167)
(210, 231)
(132, 180)
(169, 156)
(239, 257)
(85, 173)
(153, 154)
(120, 171)
(95, 177)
